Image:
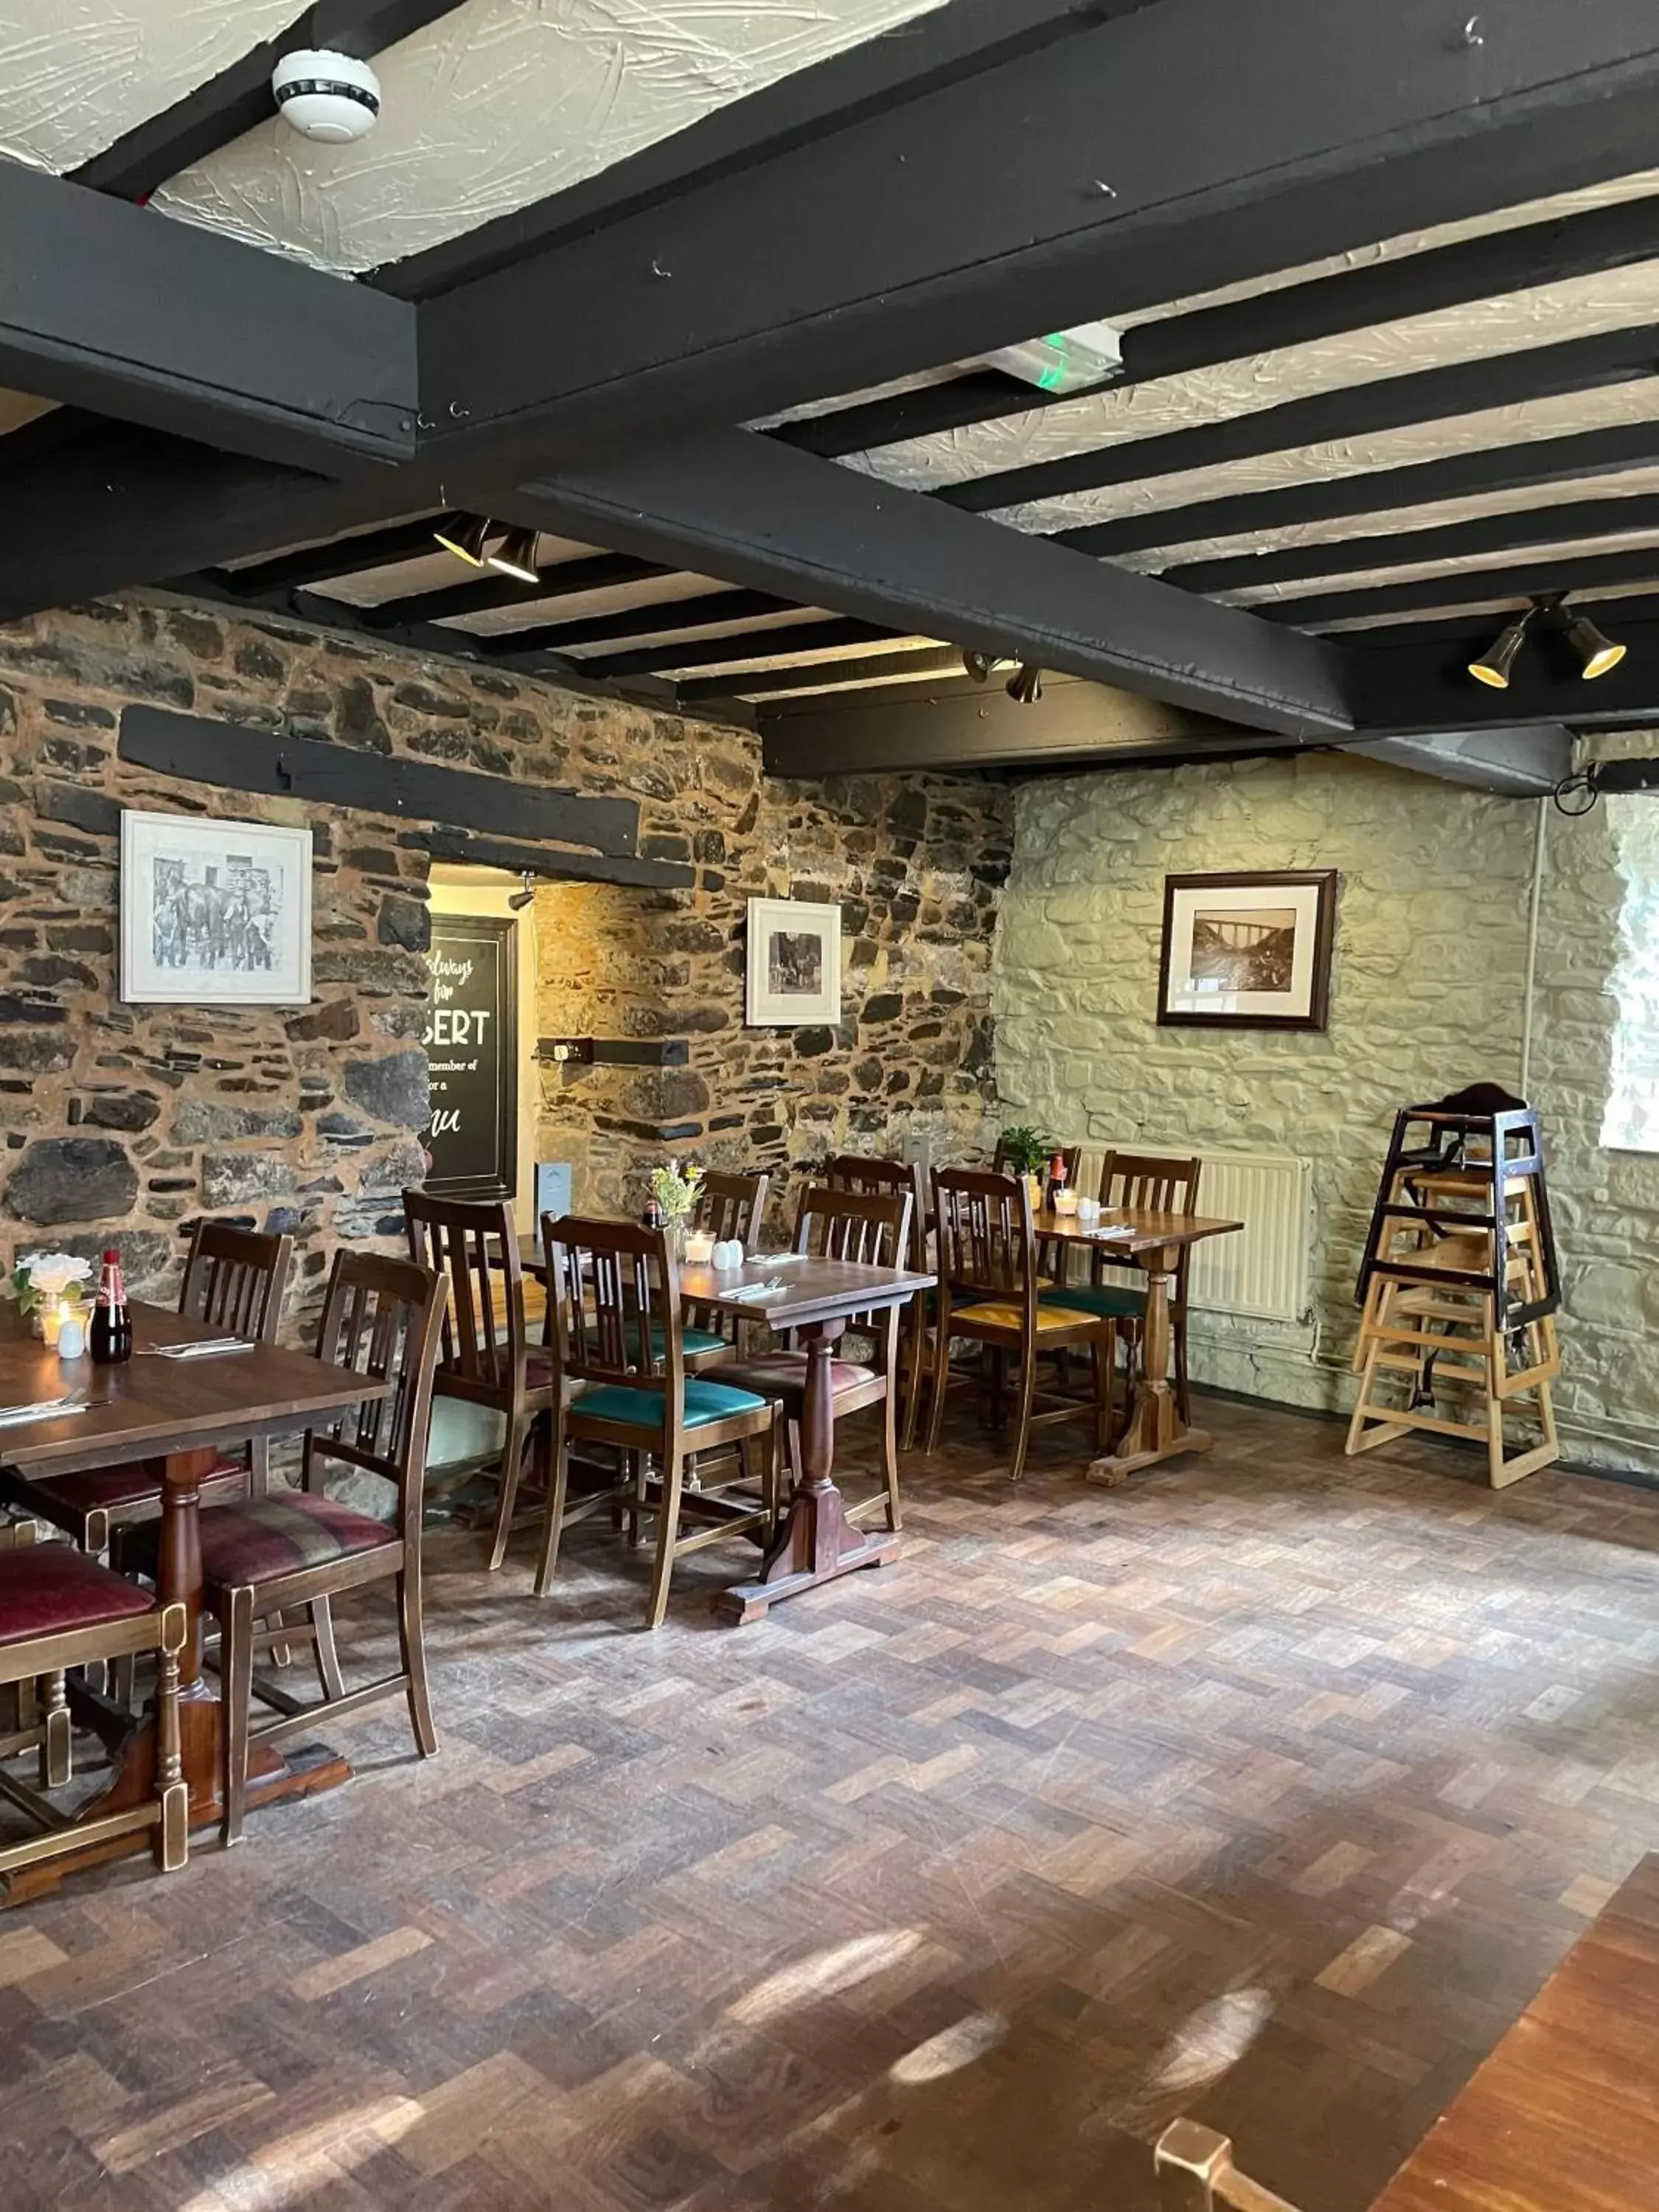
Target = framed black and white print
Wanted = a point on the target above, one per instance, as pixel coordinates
(214, 913)
(794, 963)
(1248, 951)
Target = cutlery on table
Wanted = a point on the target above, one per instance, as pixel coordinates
(44, 1409)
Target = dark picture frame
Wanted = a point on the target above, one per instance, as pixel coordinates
(485, 1145)
(1253, 956)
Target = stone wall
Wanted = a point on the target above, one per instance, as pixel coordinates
(1426, 993)
(141, 1117)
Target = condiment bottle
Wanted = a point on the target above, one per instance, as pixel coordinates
(111, 1319)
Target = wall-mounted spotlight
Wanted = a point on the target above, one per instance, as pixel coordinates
(1025, 684)
(1597, 652)
(520, 899)
(516, 556)
(977, 664)
(1493, 666)
(466, 536)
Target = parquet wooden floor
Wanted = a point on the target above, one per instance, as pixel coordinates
(1268, 1788)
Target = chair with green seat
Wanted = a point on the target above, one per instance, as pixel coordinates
(991, 1292)
(1138, 1183)
(729, 1208)
(608, 1282)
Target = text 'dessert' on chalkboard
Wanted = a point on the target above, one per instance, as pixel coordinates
(472, 1057)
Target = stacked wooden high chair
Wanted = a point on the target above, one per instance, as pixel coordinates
(1458, 1287)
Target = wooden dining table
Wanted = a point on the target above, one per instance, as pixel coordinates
(1152, 1241)
(817, 1542)
(183, 1413)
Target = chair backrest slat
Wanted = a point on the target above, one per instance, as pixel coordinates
(986, 1247)
(235, 1280)
(1141, 1181)
(384, 1319)
(877, 1178)
(732, 1206)
(613, 1294)
(871, 1229)
(476, 1247)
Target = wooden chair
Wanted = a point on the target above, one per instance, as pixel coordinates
(291, 1551)
(483, 1360)
(875, 1178)
(1139, 1182)
(60, 1609)
(607, 1282)
(989, 1287)
(1196, 2173)
(234, 1282)
(728, 1207)
(872, 1229)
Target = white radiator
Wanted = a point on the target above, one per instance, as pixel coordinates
(1261, 1271)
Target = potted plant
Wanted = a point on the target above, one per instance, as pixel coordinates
(676, 1193)
(1027, 1152)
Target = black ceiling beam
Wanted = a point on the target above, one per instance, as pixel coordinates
(873, 668)
(1354, 410)
(1422, 681)
(341, 557)
(754, 645)
(239, 97)
(931, 52)
(120, 310)
(473, 594)
(641, 622)
(1513, 466)
(1484, 533)
(1484, 268)
(737, 506)
(1471, 587)
(1123, 177)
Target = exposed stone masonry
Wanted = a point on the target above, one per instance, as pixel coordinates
(136, 1119)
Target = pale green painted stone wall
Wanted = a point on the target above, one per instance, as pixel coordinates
(1426, 993)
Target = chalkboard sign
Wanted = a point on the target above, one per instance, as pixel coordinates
(472, 1052)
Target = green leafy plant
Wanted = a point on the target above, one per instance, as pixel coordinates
(675, 1191)
(1024, 1149)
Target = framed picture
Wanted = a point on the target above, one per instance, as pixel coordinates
(472, 1057)
(214, 913)
(794, 962)
(1248, 951)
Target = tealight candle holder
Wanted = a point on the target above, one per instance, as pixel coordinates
(52, 1318)
(1064, 1201)
(699, 1248)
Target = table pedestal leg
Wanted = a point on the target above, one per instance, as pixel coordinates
(1154, 1431)
(818, 1543)
(130, 1738)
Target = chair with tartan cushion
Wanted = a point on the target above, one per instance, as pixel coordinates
(234, 1282)
(288, 1553)
(991, 1292)
(486, 1358)
(871, 1230)
(606, 1282)
(1138, 1182)
(59, 1609)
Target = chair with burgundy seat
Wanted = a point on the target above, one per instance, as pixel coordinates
(871, 1229)
(288, 1553)
(60, 1609)
(852, 1171)
(991, 1292)
(607, 1280)
(486, 1358)
(234, 1282)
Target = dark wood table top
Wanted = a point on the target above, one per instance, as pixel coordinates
(813, 1289)
(1563, 2117)
(147, 1406)
(1149, 1232)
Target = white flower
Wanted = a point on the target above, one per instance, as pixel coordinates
(51, 1273)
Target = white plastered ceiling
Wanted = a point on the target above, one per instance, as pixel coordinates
(77, 75)
(501, 102)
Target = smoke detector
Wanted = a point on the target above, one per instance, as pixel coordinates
(333, 97)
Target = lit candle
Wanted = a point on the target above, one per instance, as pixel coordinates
(1065, 1200)
(699, 1248)
(52, 1317)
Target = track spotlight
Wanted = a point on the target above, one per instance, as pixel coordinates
(466, 536)
(1597, 652)
(519, 900)
(1493, 666)
(516, 556)
(1025, 684)
(977, 664)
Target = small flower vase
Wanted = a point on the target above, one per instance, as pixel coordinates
(1034, 1185)
(674, 1230)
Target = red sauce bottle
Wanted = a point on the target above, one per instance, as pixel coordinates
(112, 1321)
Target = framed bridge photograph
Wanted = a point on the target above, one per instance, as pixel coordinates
(214, 913)
(1248, 951)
